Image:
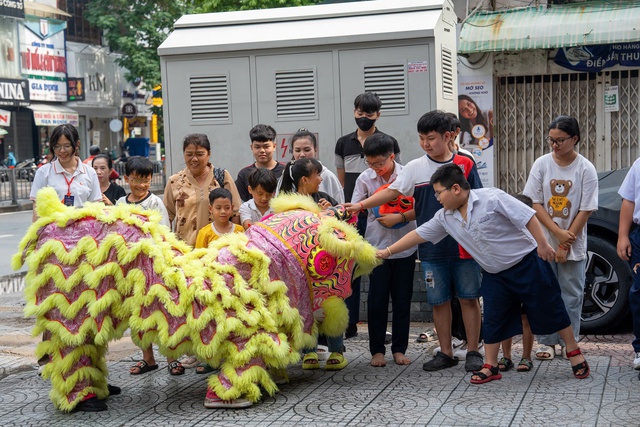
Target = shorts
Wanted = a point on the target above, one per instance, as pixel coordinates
(459, 277)
(528, 286)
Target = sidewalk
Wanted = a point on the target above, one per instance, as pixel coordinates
(359, 395)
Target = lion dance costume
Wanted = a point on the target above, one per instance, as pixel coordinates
(246, 304)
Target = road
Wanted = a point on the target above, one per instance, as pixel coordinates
(13, 227)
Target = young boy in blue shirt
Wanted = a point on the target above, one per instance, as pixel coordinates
(505, 238)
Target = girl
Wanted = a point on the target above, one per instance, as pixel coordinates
(103, 165)
(470, 117)
(563, 186)
(303, 176)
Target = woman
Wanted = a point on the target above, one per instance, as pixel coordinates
(303, 144)
(186, 196)
(103, 165)
(75, 182)
(476, 127)
(563, 186)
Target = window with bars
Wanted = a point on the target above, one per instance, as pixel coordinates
(447, 73)
(78, 29)
(209, 97)
(390, 83)
(296, 94)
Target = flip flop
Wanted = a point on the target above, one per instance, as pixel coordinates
(212, 401)
(339, 362)
(143, 368)
(427, 336)
(189, 362)
(204, 368)
(546, 352)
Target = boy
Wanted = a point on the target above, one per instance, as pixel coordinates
(395, 276)
(263, 147)
(349, 161)
(262, 185)
(138, 172)
(446, 266)
(490, 224)
(629, 247)
(221, 208)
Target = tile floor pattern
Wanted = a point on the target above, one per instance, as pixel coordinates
(361, 395)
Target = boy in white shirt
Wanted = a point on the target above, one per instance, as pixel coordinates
(262, 185)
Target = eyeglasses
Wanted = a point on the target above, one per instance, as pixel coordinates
(558, 141)
(376, 165)
(63, 148)
(136, 181)
(437, 193)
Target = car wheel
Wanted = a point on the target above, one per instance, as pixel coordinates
(606, 292)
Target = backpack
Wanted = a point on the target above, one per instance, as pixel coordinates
(218, 173)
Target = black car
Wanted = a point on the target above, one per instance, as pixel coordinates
(608, 278)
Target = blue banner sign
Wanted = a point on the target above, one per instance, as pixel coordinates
(598, 57)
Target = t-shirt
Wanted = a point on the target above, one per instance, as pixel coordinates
(415, 180)
(249, 211)
(494, 232)
(350, 157)
(114, 192)
(630, 189)
(150, 202)
(83, 185)
(564, 191)
(242, 181)
(208, 234)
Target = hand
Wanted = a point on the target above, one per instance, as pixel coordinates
(324, 204)
(566, 237)
(106, 200)
(561, 255)
(624, 248)
(389, 220)
(546, 252)
(382, 253)
(352, 207)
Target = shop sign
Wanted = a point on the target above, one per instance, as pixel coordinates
(54, 118)
(129, 110)
(13, 8)
(14, 92)
(5, 118)
(593, 59)
(75, 89)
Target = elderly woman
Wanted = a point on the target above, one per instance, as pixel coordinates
(186, 196)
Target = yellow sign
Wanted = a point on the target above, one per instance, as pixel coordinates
(157, 102)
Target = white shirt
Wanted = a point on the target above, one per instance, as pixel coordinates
(83, 184)
(564, 191)
(377, 234)
(150, 202)
(249, 211)
(629, 190)
(495, 232)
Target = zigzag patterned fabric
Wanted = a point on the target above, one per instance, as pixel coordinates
(245, 304)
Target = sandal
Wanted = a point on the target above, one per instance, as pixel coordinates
(546, 352)
(484, 378)
(441, 361)
(204, 368)
(175, 368)
(505, 364)
(582, 366)
(525, 365)
(212, 401)
(427, 336)
(335, 362)
(189, 362)
(142, 368)
(310, 361)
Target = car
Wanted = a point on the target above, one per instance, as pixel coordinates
(608, 278)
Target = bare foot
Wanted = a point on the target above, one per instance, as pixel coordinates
(401, 359)
(378, 360)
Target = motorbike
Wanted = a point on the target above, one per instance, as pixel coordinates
(26, 169)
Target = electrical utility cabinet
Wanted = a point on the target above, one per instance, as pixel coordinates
(302, 67)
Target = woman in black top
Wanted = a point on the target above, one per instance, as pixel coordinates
(303, 176)
(111, 192)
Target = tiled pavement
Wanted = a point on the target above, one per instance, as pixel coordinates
(359, 395)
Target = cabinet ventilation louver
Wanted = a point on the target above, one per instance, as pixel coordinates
(390, 83)
(209, 97)
(447, 74)
(296, 93)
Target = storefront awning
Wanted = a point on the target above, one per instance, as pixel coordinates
(53, 115)
(551, 27)
(43, 10)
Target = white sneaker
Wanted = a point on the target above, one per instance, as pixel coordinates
(455, 344)
(636, 361)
